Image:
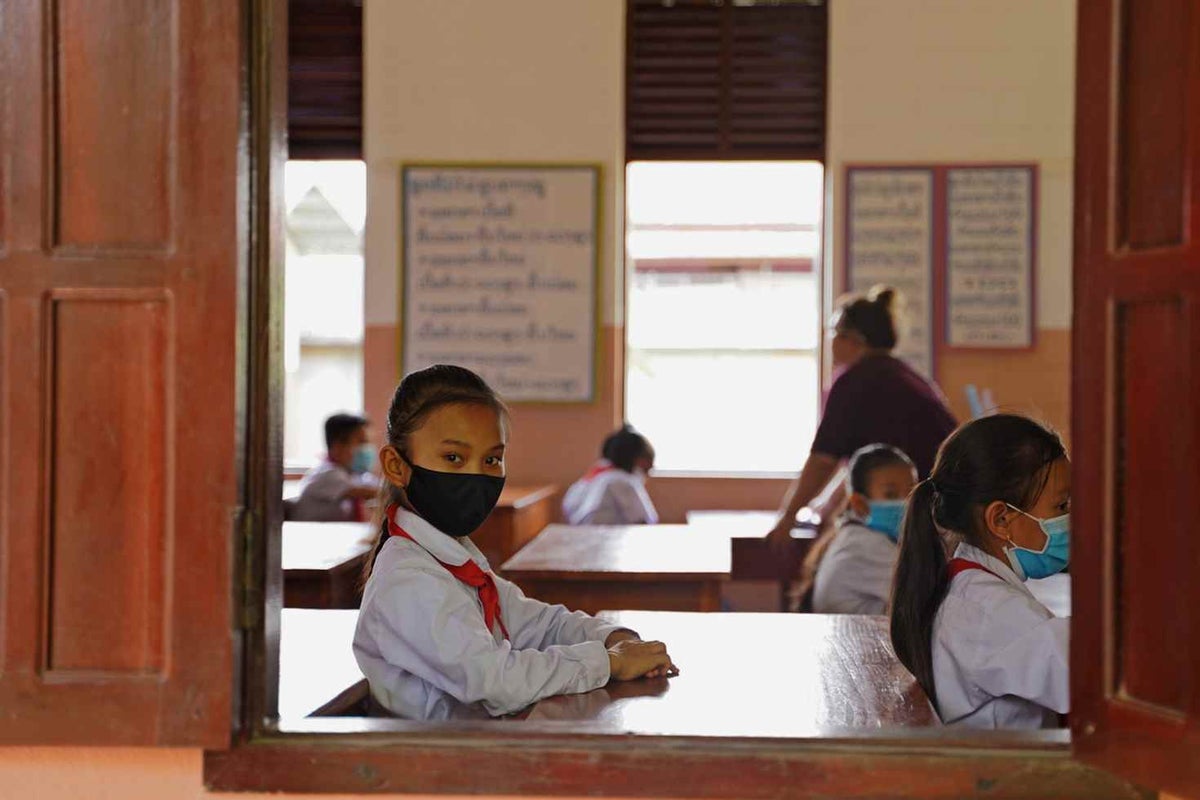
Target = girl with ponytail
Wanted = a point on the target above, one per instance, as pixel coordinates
(985, 651)
(439, 635)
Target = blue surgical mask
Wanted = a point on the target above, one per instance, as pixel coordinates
(1054, 555)
(885, 517)
(364, 459)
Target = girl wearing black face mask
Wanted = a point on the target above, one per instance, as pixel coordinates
(439, 635)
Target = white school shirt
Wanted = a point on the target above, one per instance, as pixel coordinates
(855, 576)
(423, 645)
(323, 489)
(997, 651)
(612, 497)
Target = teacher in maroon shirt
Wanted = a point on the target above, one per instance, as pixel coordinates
(876, 398)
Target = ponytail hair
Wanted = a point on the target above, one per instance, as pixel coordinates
(1004, 457)
(918, 588)
(623, 448)
(416, 397)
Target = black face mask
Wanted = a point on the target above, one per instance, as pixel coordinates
(454, 503)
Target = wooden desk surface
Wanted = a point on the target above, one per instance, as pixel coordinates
(764, 675)
(316, 664)
(621, 552)
(321, 546)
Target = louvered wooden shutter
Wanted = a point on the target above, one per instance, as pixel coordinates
(325, 79)
(725, 80)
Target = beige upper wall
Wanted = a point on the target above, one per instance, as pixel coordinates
(471, 80)
(959, 80)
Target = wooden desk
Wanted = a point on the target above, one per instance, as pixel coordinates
(322, 563)
(753, 558)
(520, 515)
(594, 567)
(757, 675)
(318, 675)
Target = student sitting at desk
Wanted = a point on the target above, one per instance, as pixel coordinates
(986, 652)
(855, 575)
(613, 491)
(439, 635)
(336, 490)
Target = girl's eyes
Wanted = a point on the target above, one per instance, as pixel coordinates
(453, 458)
(492, 461)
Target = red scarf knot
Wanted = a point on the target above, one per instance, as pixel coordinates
(469, 573)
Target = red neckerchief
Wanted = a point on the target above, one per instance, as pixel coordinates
(960, 565)
(599, 468)
(469, 573)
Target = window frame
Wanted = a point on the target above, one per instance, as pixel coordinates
(366, 755)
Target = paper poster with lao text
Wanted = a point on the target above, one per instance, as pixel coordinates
(499, 275)
(889, 240)
(990, 257)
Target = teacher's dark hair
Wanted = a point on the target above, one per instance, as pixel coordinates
(1003, 457)
(871, 316)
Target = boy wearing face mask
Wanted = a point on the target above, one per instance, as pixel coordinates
(337, 489)
(855, 576)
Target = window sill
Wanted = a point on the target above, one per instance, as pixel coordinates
(354, 755)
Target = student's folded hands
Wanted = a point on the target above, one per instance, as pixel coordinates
(629, 659)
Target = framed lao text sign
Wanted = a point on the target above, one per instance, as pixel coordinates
(499, 267)
(889, 240)
(990, 239)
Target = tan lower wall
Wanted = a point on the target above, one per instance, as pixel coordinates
(1037, 382)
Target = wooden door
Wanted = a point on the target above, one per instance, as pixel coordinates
(121, 246)
(1136, 392)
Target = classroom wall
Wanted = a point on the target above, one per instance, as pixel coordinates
(918, 80)
(966, 80)
(522, 80)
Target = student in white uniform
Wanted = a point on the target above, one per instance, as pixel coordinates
(336, 490)
(986, 652)
(613, 491)
(439, 635)
(855, 575)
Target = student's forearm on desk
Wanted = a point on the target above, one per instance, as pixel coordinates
(818, 469)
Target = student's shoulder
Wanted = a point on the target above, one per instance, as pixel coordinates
(857, 539)
(325, 473)
(402, 559)
(987, 599)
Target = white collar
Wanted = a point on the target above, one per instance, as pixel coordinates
(1001, 569)
(443, 547)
